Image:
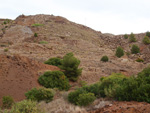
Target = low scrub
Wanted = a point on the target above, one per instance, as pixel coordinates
(105, 59)
(54, 61)
(25, 106)
(139, 60)
(54, 79)
(7, 102)
(40, 94)
(36, 24)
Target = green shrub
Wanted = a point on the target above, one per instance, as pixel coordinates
(73, 96)
(110, 84)
(135, 49)
(70, 66)
(40, 94)
(36, 24)
(43, 42)
(25, 106)
(105, 59)
(132, 38)
(54, 61)
(54, 79)
(119, 52)
(146, 40)
(125, 36)
(6, 50)
(148, 33)
(85, 99)
(7, 101)
(35, 35)
(83, 83)
(139, 60)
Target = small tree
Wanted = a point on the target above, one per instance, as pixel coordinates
(105, 59)
(35, 35)
(132, 38)
(135, 49)
(126, 36)
(146, 40)
(70, 66)
(119, 52)
(148, 33)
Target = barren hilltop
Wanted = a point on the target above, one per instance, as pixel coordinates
(28, 41)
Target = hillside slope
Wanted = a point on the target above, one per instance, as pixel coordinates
(58, 36)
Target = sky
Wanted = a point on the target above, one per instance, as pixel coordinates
(107, 16)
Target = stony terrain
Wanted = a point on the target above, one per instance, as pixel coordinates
(22, 54)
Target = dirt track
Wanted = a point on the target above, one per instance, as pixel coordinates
(18, 75)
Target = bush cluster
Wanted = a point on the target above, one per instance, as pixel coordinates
(81, 97)
(40, 94)
(105, 59)
(118, 87)
(119, 52)
(69, 65)
(54, 61)
(54, 79)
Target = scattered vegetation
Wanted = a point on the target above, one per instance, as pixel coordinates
(54, 79)
(125, 36)
(35, 35)
(135, 49)
(7, 102)
(43, 42)
(70, 66)
(132, 38)
(118, 87)
(40, 94)
(139, 60)
(105, 59)
(146, 40)
(119, 52)
(54, 61)
(36, 24)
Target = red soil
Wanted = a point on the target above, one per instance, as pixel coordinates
(125, 107)
(18, 75)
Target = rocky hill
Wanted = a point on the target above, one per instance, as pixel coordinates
(23, 53)
(58, 36)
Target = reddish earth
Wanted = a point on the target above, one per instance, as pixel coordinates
(125, 107)
(19, 74)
